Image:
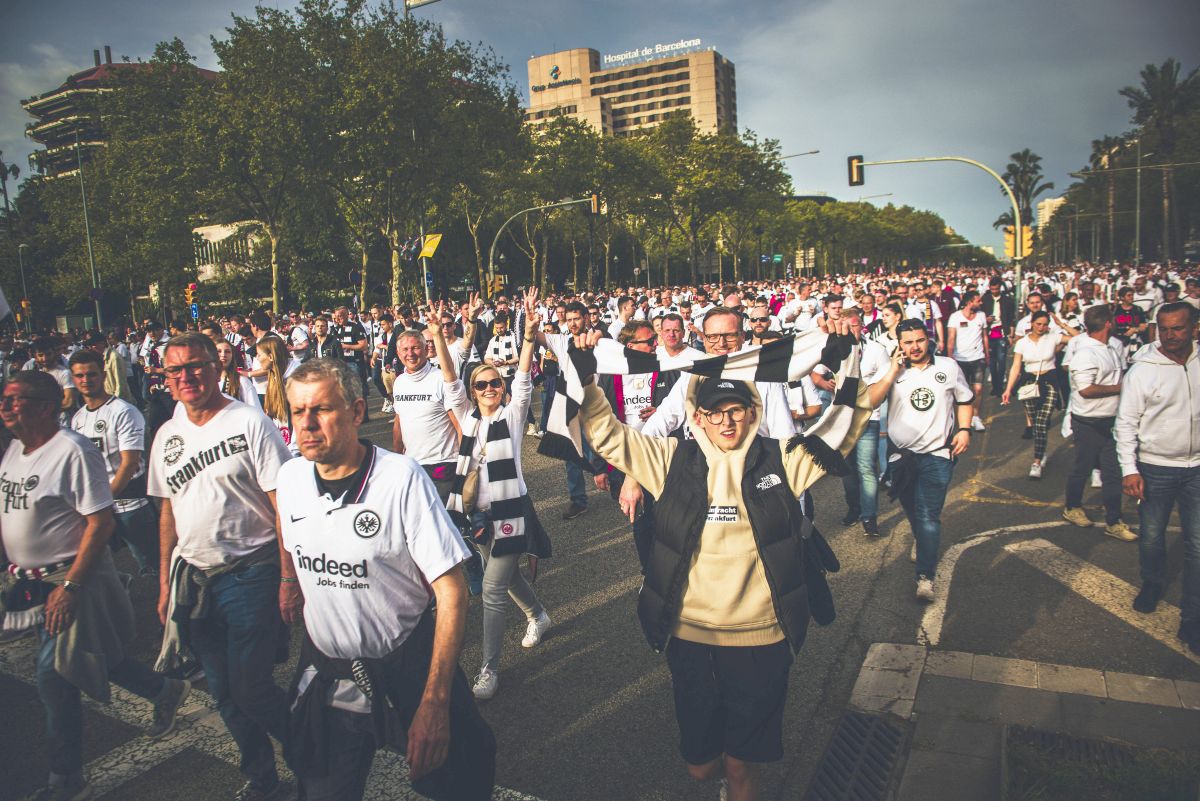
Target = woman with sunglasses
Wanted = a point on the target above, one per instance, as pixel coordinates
(1034, 367)
(502, 522)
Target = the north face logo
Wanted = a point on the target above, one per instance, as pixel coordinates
(768, 481)
(725, 385)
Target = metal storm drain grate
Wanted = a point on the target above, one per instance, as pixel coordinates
(1075, 749)
(860, 762)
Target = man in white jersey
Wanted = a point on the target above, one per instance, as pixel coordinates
(118, 429)
(968, 345)
(55, 522)
(929, 426)
(429, 404)
(215, 469)
(373, 545)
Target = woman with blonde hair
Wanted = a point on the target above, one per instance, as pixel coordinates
(491, 500)
(233, 383)
(273, 357)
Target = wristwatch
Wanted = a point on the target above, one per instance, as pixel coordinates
(72, 586)
(964, 429)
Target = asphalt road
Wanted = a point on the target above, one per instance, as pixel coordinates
(587, 716)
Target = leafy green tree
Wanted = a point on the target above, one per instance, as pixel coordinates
(1161, 102)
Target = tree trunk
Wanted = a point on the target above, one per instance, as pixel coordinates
(1166, 214)
(276, 305)
(575, 264)
(473, 229)
(362, 291)
(1112, 213)
(394, 244)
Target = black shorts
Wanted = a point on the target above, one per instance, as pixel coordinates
(974, 371)
(729, 700)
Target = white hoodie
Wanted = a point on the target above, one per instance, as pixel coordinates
(1158, 420)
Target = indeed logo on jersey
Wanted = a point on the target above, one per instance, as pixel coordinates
(331, 567)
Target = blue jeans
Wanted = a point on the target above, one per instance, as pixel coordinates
(922, 504)
(236, 644)
(576, 483)
(997, 362)
(138, 529)
(548, 383)
(1165, 486)
(861, 484)
(64, 709)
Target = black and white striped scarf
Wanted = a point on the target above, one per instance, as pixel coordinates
(504, 348)
(780, 360)
(504, 485)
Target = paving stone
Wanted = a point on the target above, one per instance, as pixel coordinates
(1138, 724)
(1189, 693)
(1000, 670)
(900, 707)
(996, 703)
(894, 656)
(938, 774)
(951, 734)
(1141, 689)
(1067, 679)
(886, 683)
(955, 664)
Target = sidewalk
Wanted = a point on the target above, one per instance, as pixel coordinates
(958, 704)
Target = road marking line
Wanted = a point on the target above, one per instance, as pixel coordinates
(1007, 496)
(198, 726)
(929, 632)
(1103, 589)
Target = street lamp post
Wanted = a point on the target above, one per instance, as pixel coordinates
(87, 230)
(24, 290)
(1137, 215)
(861, 198)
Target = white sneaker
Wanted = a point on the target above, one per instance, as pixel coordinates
(387, 407)
(924, 588)
(912, 554)
(1035, 470)
(531, 430)
(486, 684)
(723, 790)
(1096, 482)
(977, 424)
(536, 629)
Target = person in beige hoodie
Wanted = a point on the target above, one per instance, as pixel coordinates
(725, 593)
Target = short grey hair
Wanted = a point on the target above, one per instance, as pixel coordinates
(330, 369)
(412, 333)
(194, 340)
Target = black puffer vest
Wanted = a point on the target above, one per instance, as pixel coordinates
(679, 517)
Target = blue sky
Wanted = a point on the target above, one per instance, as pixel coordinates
(882, 78)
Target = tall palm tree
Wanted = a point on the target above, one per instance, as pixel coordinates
(1024, 176)
(1159, 103)
(1103, 152)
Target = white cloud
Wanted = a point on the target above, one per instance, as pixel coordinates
(44, 70)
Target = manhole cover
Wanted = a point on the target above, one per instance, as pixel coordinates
(1076, 749)
(860, 762)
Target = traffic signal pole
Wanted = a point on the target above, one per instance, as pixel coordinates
(496, 239)
(1018, 246)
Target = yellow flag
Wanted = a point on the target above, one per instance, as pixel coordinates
(431, 243)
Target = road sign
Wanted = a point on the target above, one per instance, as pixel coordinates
(430, 247)
(777, 258)
(195, 311)
(428, 279)
(764, 258)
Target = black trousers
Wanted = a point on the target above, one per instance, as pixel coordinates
(1095, 447)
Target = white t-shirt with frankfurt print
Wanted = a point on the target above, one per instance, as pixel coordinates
(44, 496)
(217, 477)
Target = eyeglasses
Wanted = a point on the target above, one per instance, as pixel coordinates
(649, 341)
(11, 400)
(737, 414)
(760, 319)
(495, 383)
(715, 338)
(192, 368)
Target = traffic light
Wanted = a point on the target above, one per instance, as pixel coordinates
(1009, 243)
(1026, 241)
(854, 165)
(595, 203)
(189, 293)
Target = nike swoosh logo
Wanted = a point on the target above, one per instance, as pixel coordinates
(298, 519)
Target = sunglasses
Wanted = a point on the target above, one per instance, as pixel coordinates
(760, 319)
(495, 383)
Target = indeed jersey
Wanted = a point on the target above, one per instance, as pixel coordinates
(217, 477)
(114, 427)
(921, 406)
(364, 563)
